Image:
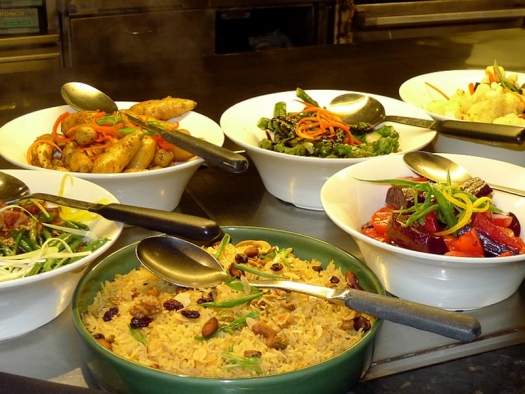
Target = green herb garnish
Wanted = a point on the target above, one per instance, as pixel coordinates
(138, 335)
(234, 301)
(252, 363)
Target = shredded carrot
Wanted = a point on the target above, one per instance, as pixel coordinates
(492, 76)
(437, 90)
(471, 88)
(55, 134)
(95, 147)
(29, 153)
(321, 123)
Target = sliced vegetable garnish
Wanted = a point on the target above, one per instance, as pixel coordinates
(234, 301)
(138, 335)
(252, 363)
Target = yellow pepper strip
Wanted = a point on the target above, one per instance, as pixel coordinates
(463, 201)
(75, 215)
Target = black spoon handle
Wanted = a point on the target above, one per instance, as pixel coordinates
(450, 324)
(193, 228)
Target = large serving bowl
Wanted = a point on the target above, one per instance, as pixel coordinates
(456, 283)
(336, 375)
(30, 302)
(160, 189)
(297, 179)
(416, 91)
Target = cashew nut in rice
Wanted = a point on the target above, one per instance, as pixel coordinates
(273, 340)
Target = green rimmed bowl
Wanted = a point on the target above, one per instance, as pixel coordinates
(337, 375)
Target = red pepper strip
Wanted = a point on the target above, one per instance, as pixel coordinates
(162, 142)
(373, 233)
(484, 225)
(432, 223)
(380, 220)
(467, 245)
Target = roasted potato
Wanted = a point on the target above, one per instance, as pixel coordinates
(76, 119)
(117, 156)
(164, 109)
(80, 162)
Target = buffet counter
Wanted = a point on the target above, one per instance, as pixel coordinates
(405, 360)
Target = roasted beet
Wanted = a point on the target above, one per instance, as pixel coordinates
(477, 187)
(414, 237)
(515, 224)
(400, 197)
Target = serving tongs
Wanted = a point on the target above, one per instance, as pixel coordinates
(214, 154)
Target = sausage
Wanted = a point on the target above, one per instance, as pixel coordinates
(117, 156)
(144, 156)
(164, 109)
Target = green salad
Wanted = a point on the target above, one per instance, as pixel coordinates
(317, 132)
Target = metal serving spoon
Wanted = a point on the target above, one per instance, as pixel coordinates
(83, 97)
(355, 107)
(191, 227)
(437, 168)
(180, 262)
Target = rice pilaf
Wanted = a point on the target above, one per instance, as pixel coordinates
(274, 333)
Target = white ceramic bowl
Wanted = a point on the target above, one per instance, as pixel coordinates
(159, 189)
(296, 179)
(443, 281)
(28, 303)
(416, 92)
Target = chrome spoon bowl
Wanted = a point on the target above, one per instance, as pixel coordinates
(439, 169)
(83, 97)
(184, 264)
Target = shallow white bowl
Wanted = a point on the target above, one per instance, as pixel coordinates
(28, 303)
(414, 91)
(443, 281)
(297, 179)
(159, 189)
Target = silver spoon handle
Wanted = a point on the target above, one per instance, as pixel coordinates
(510, 190)
(423, 317)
